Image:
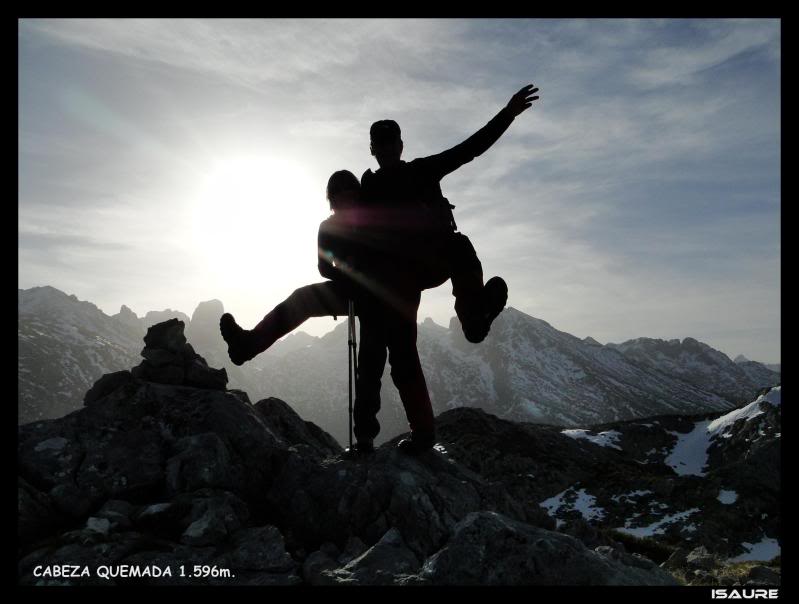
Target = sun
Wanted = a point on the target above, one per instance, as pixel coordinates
(254, 223)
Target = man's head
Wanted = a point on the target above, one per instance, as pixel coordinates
(343, 190)
(385, 142)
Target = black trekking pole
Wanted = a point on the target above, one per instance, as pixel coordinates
(352, 358)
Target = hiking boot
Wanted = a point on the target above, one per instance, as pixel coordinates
(416, 444)
(361, 448)
(241, 345)
(494, 298)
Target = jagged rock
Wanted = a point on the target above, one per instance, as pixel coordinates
(167, 519)
(283, 420)
(105, 385)
(166, 374)
(158, 357)
(700, 558)
(70, 500)
(763, 575)
(424, 498)
(119, 513)
(36, 514)
(199, 375)
(314, 567)
(381, 564)
(677, 559)
(167, 335)
(353, 548)
(261, 548)
(201, 460)
(214, 518)
(98, 525)
(170, 359)
(490, 549)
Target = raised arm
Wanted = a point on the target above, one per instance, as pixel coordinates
(478, 143)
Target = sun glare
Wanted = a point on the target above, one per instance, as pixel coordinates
(255, 221)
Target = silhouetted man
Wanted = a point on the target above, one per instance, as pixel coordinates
(415, 236)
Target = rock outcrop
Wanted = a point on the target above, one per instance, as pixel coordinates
(167, 475)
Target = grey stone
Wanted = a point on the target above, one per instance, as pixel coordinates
(201, 460)
(676, 560)
(490, 549)
(214, 518)
(262, 549)
(105, 385)
(167, 335)
(199, 375)
(158, 357)
(70, 500)
(763, 575)
(701, 558)
(380, 564)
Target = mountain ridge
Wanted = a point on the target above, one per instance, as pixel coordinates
(525, 370)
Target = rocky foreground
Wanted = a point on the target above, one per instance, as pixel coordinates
(166, 477)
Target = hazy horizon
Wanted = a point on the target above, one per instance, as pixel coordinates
(164, 162)
(341, 320)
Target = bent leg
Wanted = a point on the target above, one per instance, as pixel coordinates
(466, 273)
(476, 304)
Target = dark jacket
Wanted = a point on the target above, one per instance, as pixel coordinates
(410, 193)
(411, 219)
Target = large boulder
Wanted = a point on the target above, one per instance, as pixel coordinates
(490, 549)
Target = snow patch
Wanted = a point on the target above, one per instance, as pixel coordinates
(766, 550)
(609, 438)
(630, 495)
(656, 528)
(583, 503)
(727, 497)
(689, 455)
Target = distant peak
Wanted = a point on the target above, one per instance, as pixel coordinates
(208, 311)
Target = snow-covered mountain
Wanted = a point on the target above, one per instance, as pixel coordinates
(775, 367)
(525, 370)
(66, 344)
(709, 480)
(700, 365)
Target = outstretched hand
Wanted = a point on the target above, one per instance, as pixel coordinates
(522, 100)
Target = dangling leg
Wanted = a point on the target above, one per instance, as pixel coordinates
(317, 300)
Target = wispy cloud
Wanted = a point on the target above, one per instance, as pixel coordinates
(643, 186)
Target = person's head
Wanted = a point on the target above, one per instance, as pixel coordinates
(385, 142)
(343, 190)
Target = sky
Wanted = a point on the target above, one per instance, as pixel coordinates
(164, 162)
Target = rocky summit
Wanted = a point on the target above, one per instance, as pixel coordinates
(166, 477)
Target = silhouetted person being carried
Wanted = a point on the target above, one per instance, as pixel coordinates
(386, 308)
(338, 248)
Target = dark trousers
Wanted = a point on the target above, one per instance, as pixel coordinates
(450, 256)
(390, 330)
(318, 300)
